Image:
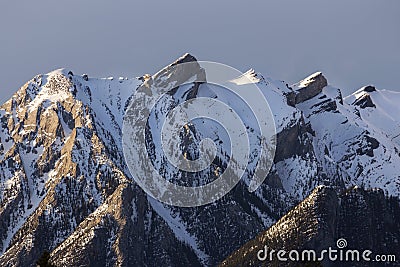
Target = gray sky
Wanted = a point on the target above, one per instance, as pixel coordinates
(353, 42)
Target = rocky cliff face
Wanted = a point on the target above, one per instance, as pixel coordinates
(65, 186)
(306, 89)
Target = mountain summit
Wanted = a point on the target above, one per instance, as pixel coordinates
(65, 187)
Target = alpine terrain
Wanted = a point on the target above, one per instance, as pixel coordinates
(65, 187)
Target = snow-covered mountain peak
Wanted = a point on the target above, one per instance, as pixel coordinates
(60, 71)
(249, 76)
(306, 89)
(57, 87)
(176, 73)
(185, 58)
(62, 165)
(316, 77)
(362, 97)
(379, 109)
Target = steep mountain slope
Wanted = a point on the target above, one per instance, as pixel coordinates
(70, 128)
(378, 108)
(366, 218)
(358, 150)
(55, 167)
(65, 186)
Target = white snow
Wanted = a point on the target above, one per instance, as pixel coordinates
(384, 117)
(305, 82)
(341, 133)
(344, 133)
(179, 228)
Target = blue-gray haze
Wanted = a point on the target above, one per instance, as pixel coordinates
(353, 42)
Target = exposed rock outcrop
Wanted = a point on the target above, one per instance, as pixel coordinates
(307, 88)
(65, 187)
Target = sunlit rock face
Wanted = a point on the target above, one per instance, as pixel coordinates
(65, 187)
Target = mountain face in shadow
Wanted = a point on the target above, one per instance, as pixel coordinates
(365, 219)
(65, 187)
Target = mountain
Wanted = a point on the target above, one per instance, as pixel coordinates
(368, 220)
(65, 186)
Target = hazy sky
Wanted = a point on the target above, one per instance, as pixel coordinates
(353, 42)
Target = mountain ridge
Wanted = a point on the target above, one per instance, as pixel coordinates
(331, 213)
(62, 168)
